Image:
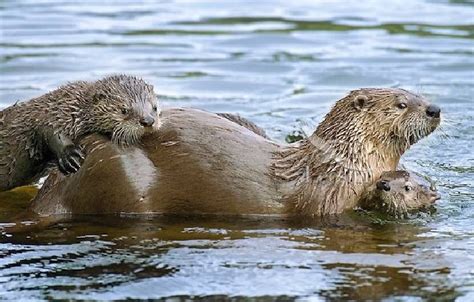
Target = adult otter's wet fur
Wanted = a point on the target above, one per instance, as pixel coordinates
(202, 163)
(399, 193)
(363, 135)
(47, 128)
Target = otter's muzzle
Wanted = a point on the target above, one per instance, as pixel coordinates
(147, 121)
(433, 111)
(434, 196)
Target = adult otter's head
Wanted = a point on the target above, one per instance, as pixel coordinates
(388, 119)
(125, 107)
(398, 193)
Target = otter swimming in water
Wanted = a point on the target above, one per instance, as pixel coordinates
(399, 193)
(47, 128)
(202, 163)
(363, 135)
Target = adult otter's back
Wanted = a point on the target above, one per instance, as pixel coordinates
(203, 163)
(48, 127)
(198, 162)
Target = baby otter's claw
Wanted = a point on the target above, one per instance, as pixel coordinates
(70, 160)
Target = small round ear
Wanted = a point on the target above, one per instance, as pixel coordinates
(99, 95)
(360, 102)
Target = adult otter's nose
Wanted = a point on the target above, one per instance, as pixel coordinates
(383, 185)
(147, 121)
(433, 111)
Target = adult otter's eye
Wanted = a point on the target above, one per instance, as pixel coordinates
(402, 105)
(407, 188)
(124, 111)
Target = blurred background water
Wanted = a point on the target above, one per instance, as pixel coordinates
(281, 64)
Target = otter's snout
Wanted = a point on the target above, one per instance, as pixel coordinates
(383, 185)
(147, 121)
(433, 111)
(434, 196)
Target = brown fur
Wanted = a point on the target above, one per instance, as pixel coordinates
(73, 110)
(196, 163)
(407, 193)
(363, 135)
(202, 163)
(244, 123)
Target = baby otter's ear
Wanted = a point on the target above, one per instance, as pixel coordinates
(360, 102)
(99, 95)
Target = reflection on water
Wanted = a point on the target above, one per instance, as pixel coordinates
(142, 257)
(282, 64)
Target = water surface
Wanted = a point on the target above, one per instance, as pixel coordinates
(281, 64)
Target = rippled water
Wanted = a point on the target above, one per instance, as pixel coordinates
(282, 64)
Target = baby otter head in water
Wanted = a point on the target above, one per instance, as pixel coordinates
(398, 193)
(125, 107)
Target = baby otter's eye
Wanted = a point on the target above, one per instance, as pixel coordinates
(402, 105)
(407, 188)
(155, 108)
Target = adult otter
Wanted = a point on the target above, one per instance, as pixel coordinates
(48, 127)
(363, 135)
(399, 193)
(203, 163)
(396, 193)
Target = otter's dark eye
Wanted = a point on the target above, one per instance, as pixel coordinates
(407, 188)
(155, 108)
(124, 111)
(402, 105)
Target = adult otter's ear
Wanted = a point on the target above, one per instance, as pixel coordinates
(360, 102)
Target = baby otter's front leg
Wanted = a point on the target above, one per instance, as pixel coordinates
(68, 155)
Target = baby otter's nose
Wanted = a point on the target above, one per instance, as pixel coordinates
(383, 185)
(433, 111)
(147, 121)
(435, 196)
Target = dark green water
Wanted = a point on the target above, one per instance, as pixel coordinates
(282, 64)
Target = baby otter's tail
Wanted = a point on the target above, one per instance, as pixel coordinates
(244, 123)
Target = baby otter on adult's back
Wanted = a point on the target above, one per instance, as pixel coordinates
(48, 127)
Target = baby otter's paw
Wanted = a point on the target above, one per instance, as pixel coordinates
(70, 159)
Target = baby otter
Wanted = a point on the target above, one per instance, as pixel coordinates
(399, 193)
(47, 128)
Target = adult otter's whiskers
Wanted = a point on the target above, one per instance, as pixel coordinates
(364, 134)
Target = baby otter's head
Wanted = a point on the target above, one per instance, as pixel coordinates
(125, 107)
(389, 120)
(398, 193)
